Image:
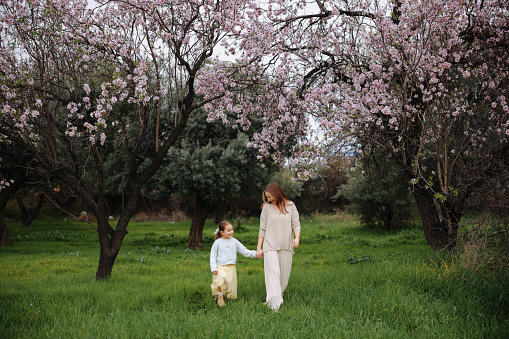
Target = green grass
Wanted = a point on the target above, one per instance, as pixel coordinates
(346, 282)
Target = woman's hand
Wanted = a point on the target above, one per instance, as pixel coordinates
(259, 254)
(296, 242)
(214, 273)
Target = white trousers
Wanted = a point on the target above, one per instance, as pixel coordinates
(277, 266)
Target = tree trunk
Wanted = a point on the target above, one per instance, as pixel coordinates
(29, 215)
(22, 210)
(5, 194)
(111, 241)
(389, 214)
(220, 211)
(35, 210)
(106, 261)
(439, 234)
(109, 238)
(201, 212)
(4, 229)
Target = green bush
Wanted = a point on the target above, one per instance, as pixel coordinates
(382, 197)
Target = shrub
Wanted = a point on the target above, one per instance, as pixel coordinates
(382, 197)
(485, 248)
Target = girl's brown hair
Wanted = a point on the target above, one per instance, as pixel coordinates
(221, 227)
(280, 198)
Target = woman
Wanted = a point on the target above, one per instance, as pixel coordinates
(279, 234)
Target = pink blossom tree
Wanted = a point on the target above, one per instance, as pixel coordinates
(77, 82)
(424, 83)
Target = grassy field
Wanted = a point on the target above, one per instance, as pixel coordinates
(346, 282)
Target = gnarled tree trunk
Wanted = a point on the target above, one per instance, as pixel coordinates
(5, 195)
(111, 239)
(220, 211)
(109, 248)
(201, 212)
(4, 229)
(441, 233)
(29, 215)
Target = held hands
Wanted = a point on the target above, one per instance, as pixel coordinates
(214, 273)
(259, 254)
(296, 242)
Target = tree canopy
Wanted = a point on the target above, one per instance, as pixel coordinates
(78, 82)
(425, 83)
(211, 163)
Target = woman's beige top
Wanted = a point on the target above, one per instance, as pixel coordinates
(277, 228)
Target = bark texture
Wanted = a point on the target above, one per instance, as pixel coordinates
(440, 229)
(201, 212)
(28, 215)
(5, 195)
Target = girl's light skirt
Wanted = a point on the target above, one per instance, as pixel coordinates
(226, 278)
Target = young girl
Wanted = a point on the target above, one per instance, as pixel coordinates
(223, 257)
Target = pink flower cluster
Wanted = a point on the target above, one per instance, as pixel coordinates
(388, 78)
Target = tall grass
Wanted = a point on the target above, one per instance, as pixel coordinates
(346, 282)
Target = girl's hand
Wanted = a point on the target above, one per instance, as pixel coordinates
(214, 273)
(259, 254)
(295, 242)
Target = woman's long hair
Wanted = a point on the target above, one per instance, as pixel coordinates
(280, 198)
(220, 228)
